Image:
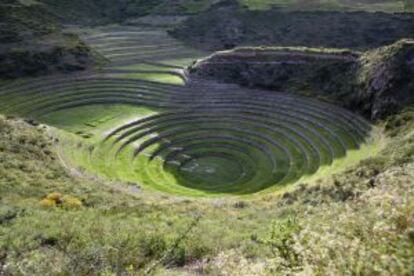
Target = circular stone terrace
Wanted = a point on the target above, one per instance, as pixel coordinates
(198, 137)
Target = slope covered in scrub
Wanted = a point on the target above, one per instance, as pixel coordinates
(58, 220)
(139, 164)
(385, 78)
(33, 43)
(231, 25)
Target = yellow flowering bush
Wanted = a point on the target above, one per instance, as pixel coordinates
(71, 202)
(57, 199)
(46, 202)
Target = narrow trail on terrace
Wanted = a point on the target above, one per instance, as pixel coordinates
(203, 138)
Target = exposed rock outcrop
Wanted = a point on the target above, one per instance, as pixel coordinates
(386, 78)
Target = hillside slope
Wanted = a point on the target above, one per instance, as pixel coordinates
(33, 43)
(69, 200)
(55, 221)
(231, 25)
(375, 83)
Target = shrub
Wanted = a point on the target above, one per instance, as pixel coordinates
(71, 202)
(46, 202)
(57, 197)
(154, 246)
(281, 242)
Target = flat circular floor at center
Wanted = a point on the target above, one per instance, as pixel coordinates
(215, 169)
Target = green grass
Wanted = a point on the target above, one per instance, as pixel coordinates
(234, 153)
(90, 124)
(182, 62)
(102, 160)
(162, 78)
(92, 119)
(143, 66)
(369, 150)
(120, 230)
(353, 217)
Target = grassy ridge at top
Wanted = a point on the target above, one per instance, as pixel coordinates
(229, 26)
(104, 11)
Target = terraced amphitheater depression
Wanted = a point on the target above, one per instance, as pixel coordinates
(143, 119)
(206, 137)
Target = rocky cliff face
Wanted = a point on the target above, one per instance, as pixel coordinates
(375, 83)
(386, 78)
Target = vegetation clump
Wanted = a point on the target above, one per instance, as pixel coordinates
(57, 199)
